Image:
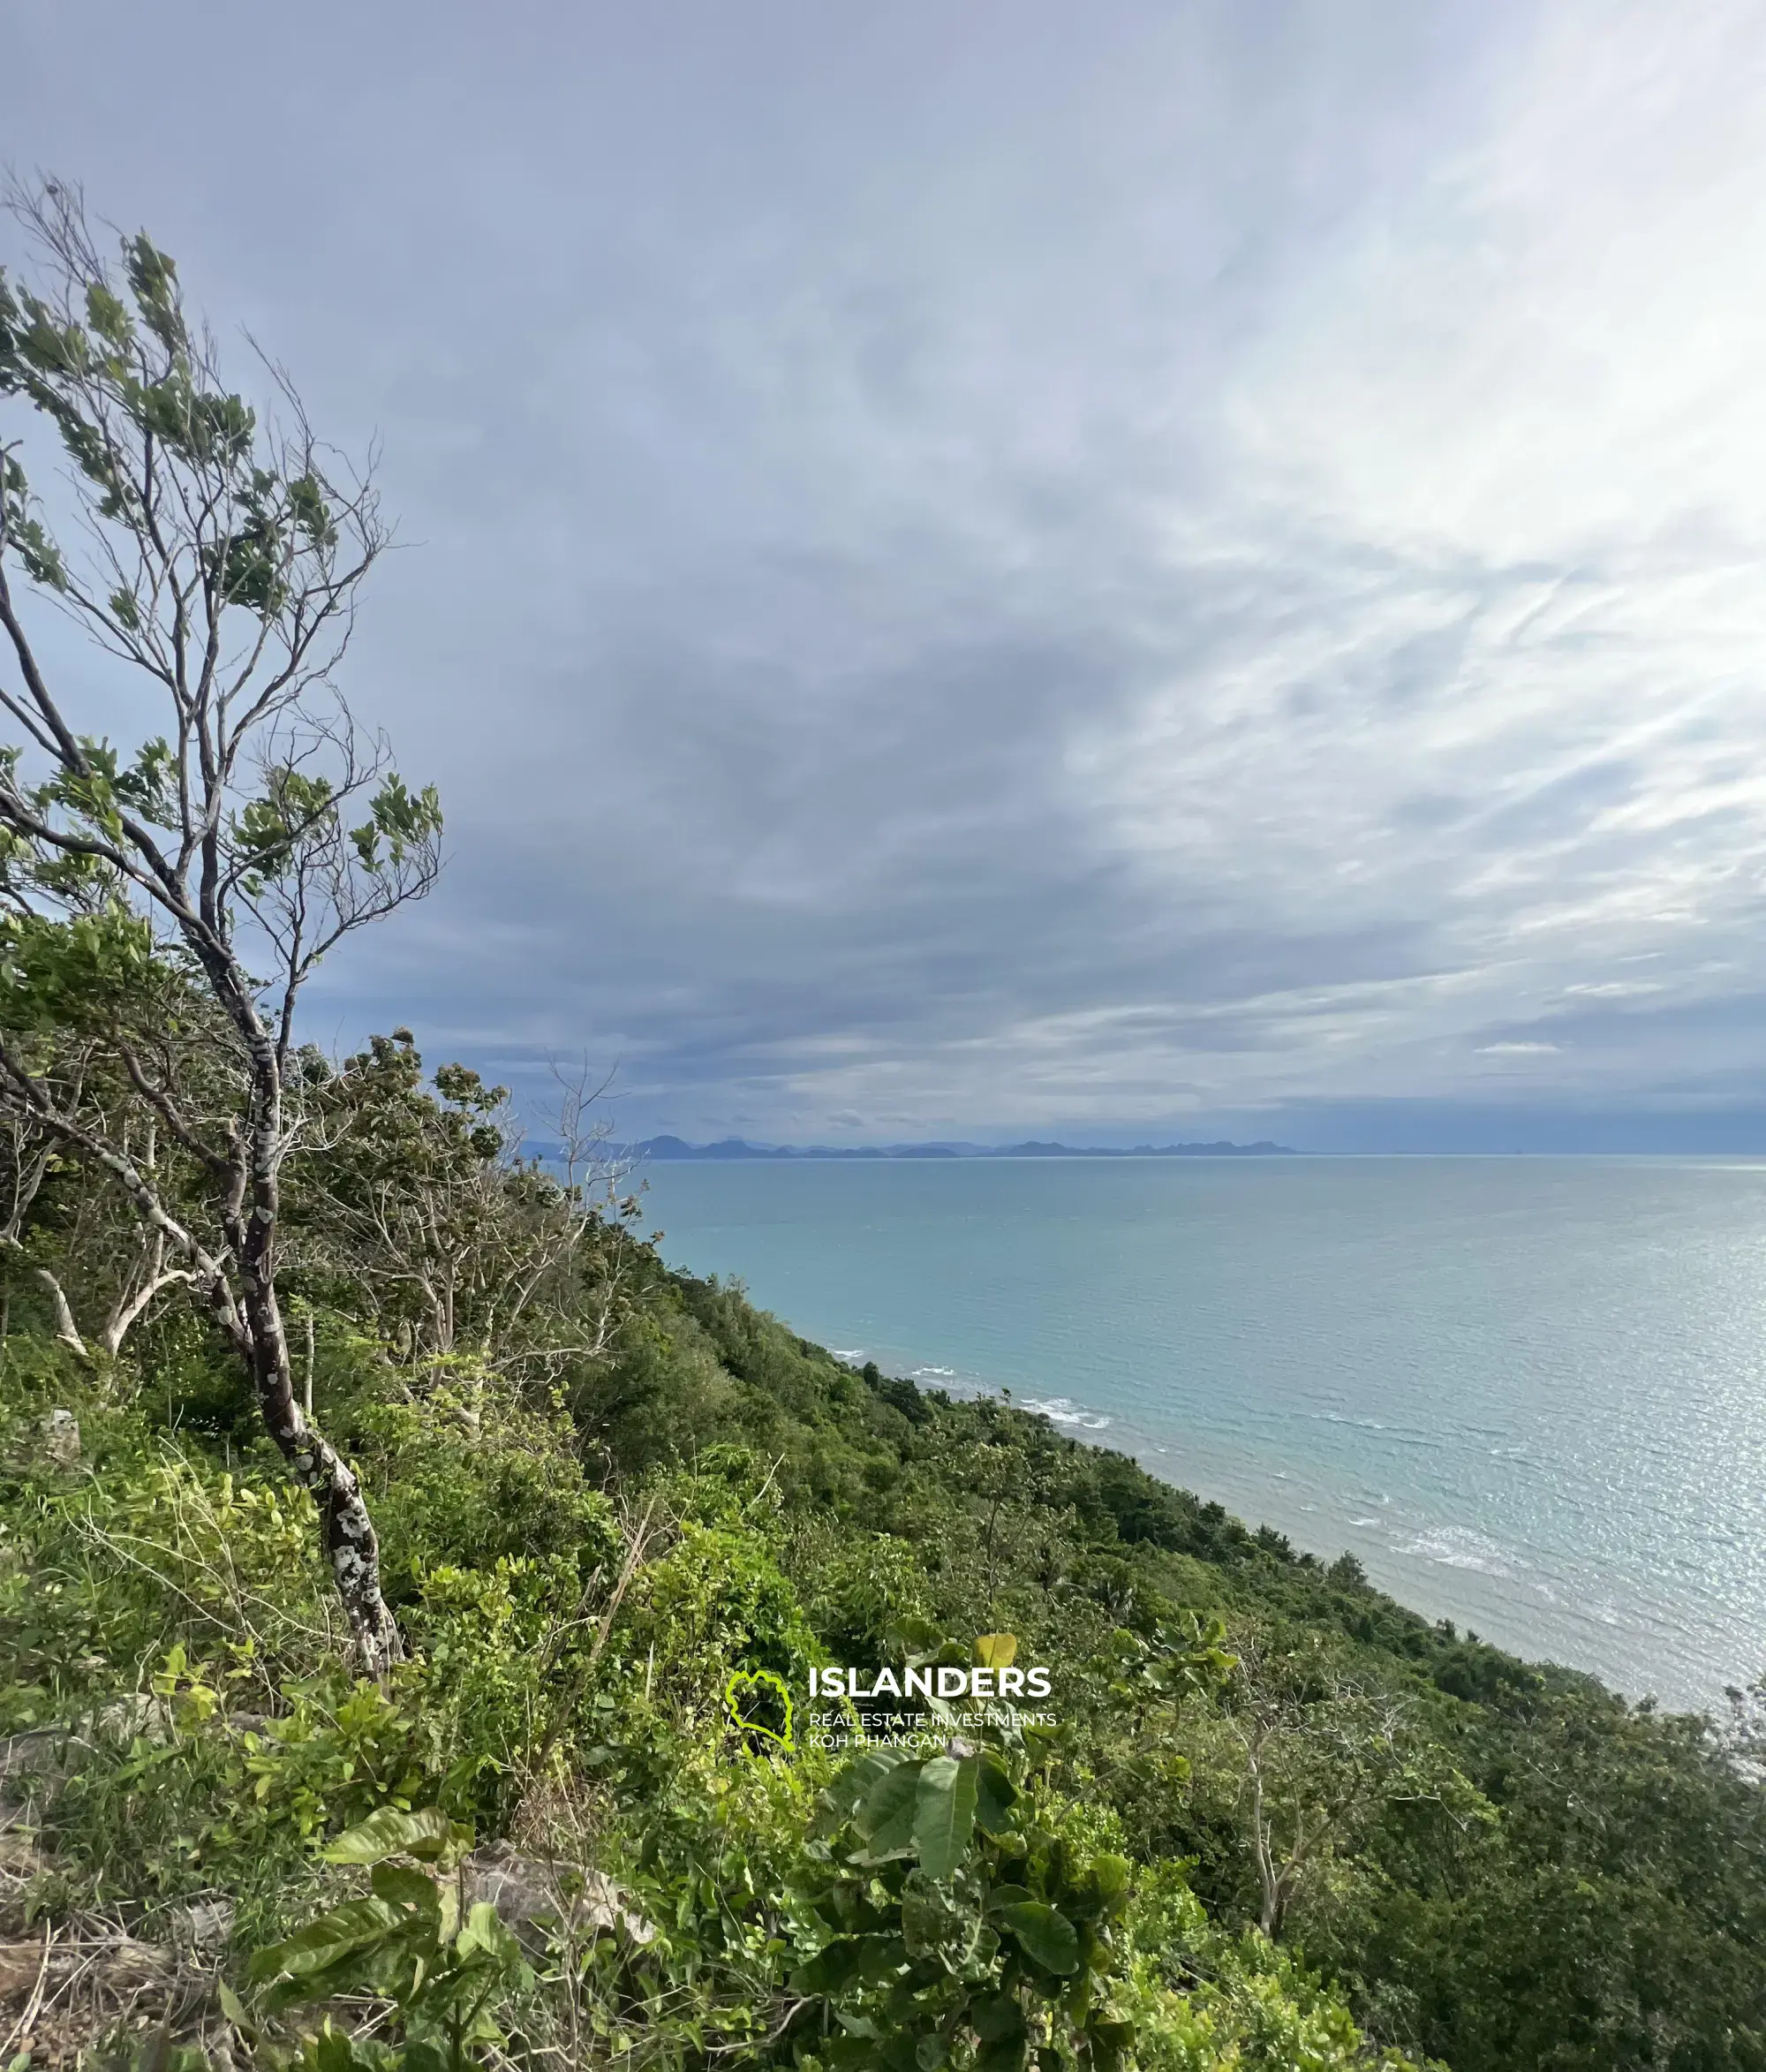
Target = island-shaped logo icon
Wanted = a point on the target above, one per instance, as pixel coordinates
(751, 1697)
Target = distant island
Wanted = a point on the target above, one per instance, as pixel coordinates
(659, 1148)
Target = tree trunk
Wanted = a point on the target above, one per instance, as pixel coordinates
(66, 1330)
(352, 1544)
(1264, 1844)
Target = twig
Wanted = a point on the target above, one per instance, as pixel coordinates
(22, 2026)
(723, 2050)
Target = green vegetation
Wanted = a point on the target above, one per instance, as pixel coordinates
(1278, 1816)
(382, 1525)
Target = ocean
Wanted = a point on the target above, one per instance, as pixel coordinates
(1530, 1394)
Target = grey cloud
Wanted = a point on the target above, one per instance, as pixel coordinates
(913, 615)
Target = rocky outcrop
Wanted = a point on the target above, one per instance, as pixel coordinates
(532, 1896)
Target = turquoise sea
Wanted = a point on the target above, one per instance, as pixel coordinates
(1528, 1394)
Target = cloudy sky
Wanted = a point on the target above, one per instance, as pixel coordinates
(1095, 570)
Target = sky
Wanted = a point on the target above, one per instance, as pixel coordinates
(1106, 571)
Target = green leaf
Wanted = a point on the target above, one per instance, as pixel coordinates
(485, 1932)
(831, 1969)
(235, 2010)
(335, 2050)
(1111, 2042)
(925, 1921)
(995, 1797)
(1045, 1937)
(886, 1819)
(944, 1814)
(1107, 1883)
(860, 1777)
(997, 2018)
(426, 1834)
(403, 1887)
(357, 1924)
(108, 317)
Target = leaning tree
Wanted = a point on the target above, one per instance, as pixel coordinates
(171, 900)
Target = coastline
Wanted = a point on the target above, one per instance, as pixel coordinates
(1371, 1355)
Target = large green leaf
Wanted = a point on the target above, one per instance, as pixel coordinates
(831, 1969)
(944, 1814)
(1045, 1937)
(886, 1819)
(863, 1772)
(997, 2017)
(1111, 2041)
(859, 1779)
(899, 2053)
(1109, 1882)
(925, 1921)
(404, 1887)
(357, 1924)
(426, 1834)
(995, 1797)
(335, 2050)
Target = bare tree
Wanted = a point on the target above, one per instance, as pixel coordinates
(427, 1207)
(1323, 1755)
(219, 557)
(126, 1263)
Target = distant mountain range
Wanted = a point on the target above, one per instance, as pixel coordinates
(659, 1148)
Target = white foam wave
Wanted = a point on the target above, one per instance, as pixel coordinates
(1060, 1409)
(1459, 1546)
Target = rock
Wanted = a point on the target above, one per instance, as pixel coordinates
(530, 1895)
(204, 1925)
(30, 1765)
(135, 1712)
(603, 1903)
(35, 1753)
(61, 1438)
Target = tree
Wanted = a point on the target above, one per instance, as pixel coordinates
(422, 1209)
(220, 555)
(1320, 1756)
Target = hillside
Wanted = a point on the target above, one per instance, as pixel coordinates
(1273, 1819)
